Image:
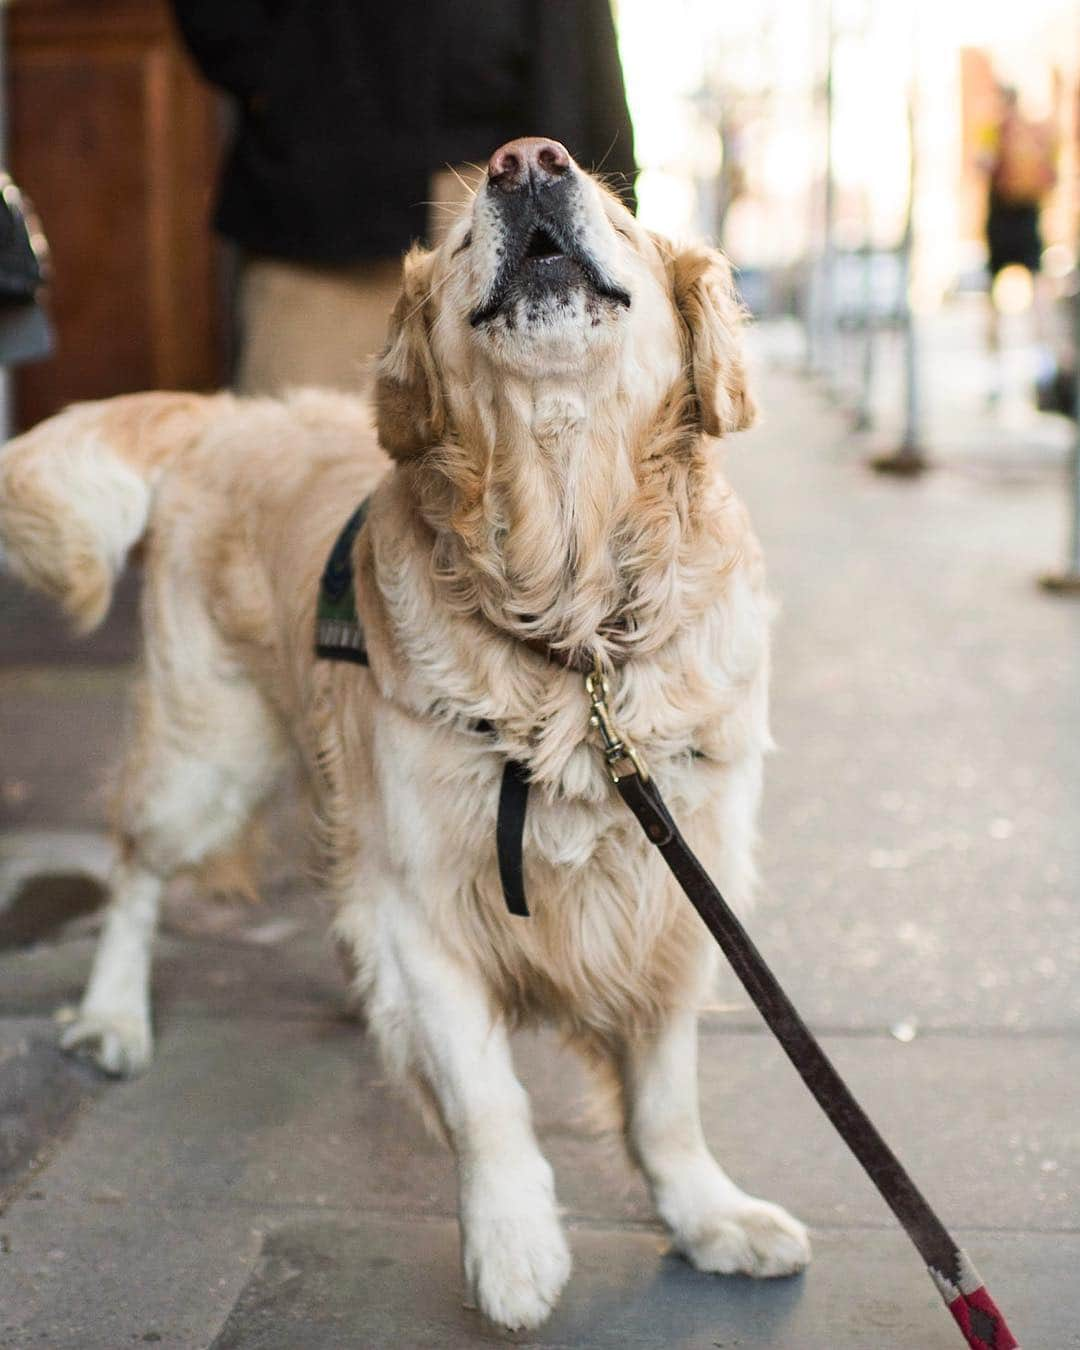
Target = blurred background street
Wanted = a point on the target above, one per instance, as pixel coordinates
(261, 1188)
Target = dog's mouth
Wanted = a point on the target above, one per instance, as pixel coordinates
(543, 255)
(542, 248)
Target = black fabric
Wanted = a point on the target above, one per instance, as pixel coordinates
(480, 85)
(509, 835)
(346, 107)
(21, 275)
(1013, 236)
(796, 1039)
(25, 332)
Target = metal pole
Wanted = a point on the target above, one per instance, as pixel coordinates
(1074, 549)
(863, 418)
(1074, 543)
(909, 459)
(827, 310)
(1068, 580)
(815, 322)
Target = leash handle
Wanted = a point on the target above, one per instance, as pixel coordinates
(974, 1311)
(952, 1272)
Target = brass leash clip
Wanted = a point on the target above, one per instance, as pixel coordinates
(621, 757)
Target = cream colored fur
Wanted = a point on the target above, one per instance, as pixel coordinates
(555, 480)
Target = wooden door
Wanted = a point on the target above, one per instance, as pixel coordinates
(116, 141)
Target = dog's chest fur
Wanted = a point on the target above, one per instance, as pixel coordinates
(608, 938)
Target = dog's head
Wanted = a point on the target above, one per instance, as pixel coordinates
(547, 277)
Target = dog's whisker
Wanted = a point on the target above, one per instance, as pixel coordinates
(470, 188)
(604, 157)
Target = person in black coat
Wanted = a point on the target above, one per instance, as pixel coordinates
(348, 114)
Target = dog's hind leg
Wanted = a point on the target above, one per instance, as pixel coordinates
(201, 762)
(435, 1022)
(715, 1225)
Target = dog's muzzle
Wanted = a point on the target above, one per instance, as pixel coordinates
(535, 191)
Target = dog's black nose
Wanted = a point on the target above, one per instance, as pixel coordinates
(531, 159)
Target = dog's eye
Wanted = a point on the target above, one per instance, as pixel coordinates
(625, 233)
(463, 245)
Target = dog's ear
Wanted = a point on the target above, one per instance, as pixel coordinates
(408, 397)
(712, 315)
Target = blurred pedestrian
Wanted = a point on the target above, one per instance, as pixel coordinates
(1019, 157)
(349, 114)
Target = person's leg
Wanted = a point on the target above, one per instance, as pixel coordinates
(999, 248)
(993, 344)
(1047, 341)
(303, 325)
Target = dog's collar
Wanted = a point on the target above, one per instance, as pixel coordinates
(577, 659)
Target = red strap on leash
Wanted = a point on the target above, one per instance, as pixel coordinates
(975, 1312)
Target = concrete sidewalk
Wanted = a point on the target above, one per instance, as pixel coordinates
(260, 1188)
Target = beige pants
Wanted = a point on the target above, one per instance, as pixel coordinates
(303, 324)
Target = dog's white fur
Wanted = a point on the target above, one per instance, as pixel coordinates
(554, 475)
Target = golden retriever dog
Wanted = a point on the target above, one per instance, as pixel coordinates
(555, 380)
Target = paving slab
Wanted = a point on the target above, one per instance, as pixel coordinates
(42, 1093)
(388, 1283)
(117, 1274)
(306, 1280)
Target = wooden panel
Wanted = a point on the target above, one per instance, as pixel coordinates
(115, 140)
(96, 217)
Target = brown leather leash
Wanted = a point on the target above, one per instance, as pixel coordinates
(951, 1269)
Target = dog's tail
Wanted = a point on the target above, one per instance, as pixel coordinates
(76, 492)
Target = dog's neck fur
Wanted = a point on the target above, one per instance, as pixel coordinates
(561, 518)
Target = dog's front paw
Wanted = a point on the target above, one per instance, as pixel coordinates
(516, 1261)
(120, 1044)
(756, 1238)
